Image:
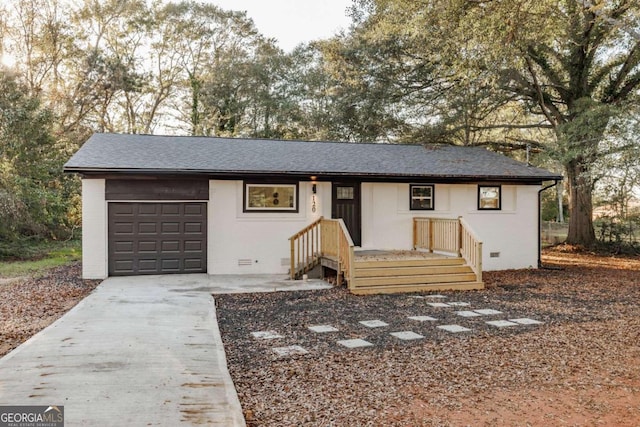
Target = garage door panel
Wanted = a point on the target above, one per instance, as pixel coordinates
(170, 227)
(123, 266)
(148, 228)
(193, 264)
(193, 227)
(193, 209)
(123, 228)
(123, 247)
(193, 246)
(157, 238)
(171, 265)
(123, 209)
(148, 209)
(146, 246)
(171, 209)
(148, 265)
(170, 246)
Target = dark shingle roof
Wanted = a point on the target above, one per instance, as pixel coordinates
(234, 156)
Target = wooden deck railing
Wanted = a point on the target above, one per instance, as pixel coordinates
(337, 244)
(324, 237)
(305, 249)
(471, 248)
(449, 235)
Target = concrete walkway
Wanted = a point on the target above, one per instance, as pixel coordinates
(137, 351)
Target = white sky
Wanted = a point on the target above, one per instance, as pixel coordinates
(293, 21)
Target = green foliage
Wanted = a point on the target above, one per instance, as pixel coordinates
(34, 258)
(34, 195)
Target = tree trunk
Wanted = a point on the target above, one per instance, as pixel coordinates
(580, 206)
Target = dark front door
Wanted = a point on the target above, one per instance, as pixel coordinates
(346, 205)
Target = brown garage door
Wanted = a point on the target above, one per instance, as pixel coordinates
(157, 238)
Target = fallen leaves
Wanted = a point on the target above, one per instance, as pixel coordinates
(581, 367)
(28, 305)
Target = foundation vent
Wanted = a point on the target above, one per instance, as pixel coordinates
(494, 254)
(242, 262)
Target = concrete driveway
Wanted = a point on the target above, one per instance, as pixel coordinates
(137, 351)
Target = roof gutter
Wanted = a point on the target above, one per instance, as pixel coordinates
(555, 182)
(319, 174)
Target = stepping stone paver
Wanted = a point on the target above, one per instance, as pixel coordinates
(501, 323)
(422, 318)
(453, 328)
(417, 296)
(407, 335)
(468, 313)
(459, 304)
(435, 296)
(438, 304)
(323, 328)
(487, 311)
(289, 350)
(266, 335)
(355, 343)
(374, 323)
(526, 321)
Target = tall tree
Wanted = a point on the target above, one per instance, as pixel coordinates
(557, 71)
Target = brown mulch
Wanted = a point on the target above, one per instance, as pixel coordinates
(580, 368)
(28, 305)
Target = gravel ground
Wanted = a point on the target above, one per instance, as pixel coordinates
(28, 305)
(580, 367)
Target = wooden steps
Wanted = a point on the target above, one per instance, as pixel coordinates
(412, 275)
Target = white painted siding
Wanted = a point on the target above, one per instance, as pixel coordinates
(94, 229)
(257, 240)
(511, 231)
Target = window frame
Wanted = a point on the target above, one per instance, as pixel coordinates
(412, 198)
(499, 188)
(245, 196)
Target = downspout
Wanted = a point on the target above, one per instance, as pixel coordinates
(555, 182)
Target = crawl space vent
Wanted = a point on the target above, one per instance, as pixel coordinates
(245, 262)
(494, 254)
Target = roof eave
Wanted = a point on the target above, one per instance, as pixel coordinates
(321, 175)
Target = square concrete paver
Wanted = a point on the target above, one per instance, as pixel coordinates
(407, 335)
(289, 350)
(488, 311)
(355, 343)
(438, 304)
(468, 313)
(323, 328)
(374, 323)
(459, 303)
(423, 318)
(501, 323)
(266, 335)
(526, 321)
(453, 328)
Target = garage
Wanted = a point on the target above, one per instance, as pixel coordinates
(156, 237)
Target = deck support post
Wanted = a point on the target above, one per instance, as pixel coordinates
(431, 236)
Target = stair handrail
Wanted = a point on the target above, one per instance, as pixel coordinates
(449, 236)
(305, 248)
(337, 243)
(470, 248)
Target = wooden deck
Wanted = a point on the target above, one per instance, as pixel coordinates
(377, 271)
(448, 256)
